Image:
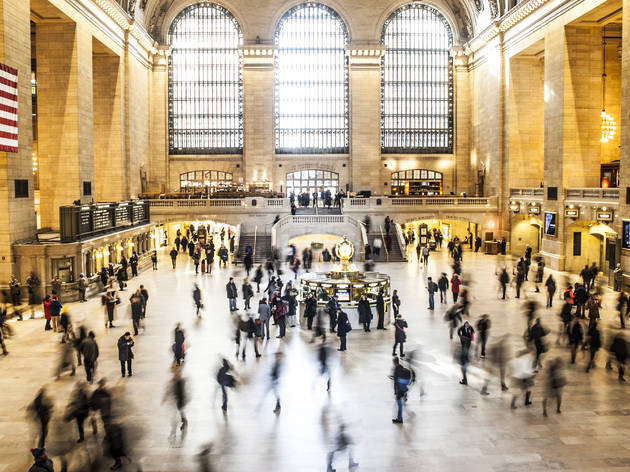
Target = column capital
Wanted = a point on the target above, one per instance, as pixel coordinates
(365, 56)
(160, 57)
(258, 56)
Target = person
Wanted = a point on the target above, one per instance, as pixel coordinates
(55, 312)
(177, 391)
(101, 401)
(89, 351)
(154, 259)
(197, 299)
(477, 244)
(580, 295)
(622, 308)
(276, 372)
(125, 354)
(82, 286)
(104, 276)
(402, 380)
(323, 354)
(196, 259)
(466, 335)
(4, 331)
(619, 350)
(173, 254)
(264, 313)
(594, 271)
(524, 373)
(78, 409)
(136, 310)
(455, 283)
(145, 300)
(133, 262)
(432, 287)
(540, 272)
(42, 462)
(576, 337)
(551, 290)
(443, 287)
(453, 316)
(504, 279)
(177, 243)
(395, 302)
(342, 442)
(110, 302)
(179, 350)
(425, 256)
(520, 277)
(248, 293)
(483, 327)
(225, 379)
(279, 308)
(310, 309)
(343, 328)
(56, 286)
(594, 304)
(400, 336)
(380, 309)
(232, 293)
(555, 382)
(258, 276)
(332, 307)
(42, 408)
(248, 262)
(115, 440)
(120, 277)
(377, 245)
(365, 313)
(223, 255)
(594, 344)
(536, 334)
(46, 304)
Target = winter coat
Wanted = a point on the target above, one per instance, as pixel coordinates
(443, 283)
(455, 283)
(399, 334)
(342, 324)
(310, 309)
(247, 291)
(47, 309)
(231, 291)
(178, 346)
(55, 307)
(264, 312)
(124, 349)
(45, 465)
(89, 349)
(365, 312)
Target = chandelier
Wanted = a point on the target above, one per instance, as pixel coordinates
(609, 126)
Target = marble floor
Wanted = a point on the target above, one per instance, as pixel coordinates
(451, 428)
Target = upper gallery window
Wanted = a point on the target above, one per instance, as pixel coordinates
(417, 82)
(311, 81)
(205, 85)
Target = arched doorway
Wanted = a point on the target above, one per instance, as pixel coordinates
(312, 180)
(586, 243)
(526, 231)
(207, 180)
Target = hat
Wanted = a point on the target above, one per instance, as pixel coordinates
(37, 452)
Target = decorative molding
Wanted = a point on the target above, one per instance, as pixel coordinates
(365, 57)
(258, 56)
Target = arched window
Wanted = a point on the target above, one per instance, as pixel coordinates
(417, 82)
(417, 182)
(311, 81)
(205, 109)
(312, 180)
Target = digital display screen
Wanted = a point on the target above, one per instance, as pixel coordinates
(625, 242)
(343, 295)
(550, 223)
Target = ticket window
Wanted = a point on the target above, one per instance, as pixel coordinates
(63, 268)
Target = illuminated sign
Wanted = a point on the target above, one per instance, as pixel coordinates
(534, 210)
(572, 213)
(604, 216)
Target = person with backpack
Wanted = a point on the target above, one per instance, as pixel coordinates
(402, 381)
(432, 287)
(399, 334)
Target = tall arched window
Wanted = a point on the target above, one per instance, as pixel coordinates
(311, 81)
(205, 109)
(417, 82)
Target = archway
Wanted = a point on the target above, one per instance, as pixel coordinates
(526, 231)
(585, 244)
(317, 243)
(312, 180)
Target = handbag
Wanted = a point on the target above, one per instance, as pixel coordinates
(348, 327)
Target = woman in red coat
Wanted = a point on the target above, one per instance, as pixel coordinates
(47, 312)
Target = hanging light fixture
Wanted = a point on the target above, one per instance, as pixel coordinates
(609, 126)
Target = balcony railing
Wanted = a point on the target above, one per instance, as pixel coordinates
(608, 195)
(533, 193)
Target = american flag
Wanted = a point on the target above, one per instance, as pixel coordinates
(8, 109)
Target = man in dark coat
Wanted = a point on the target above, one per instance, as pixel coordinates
(310, 310)
(42, 408)
(399, 334)
(42, 461)
(178, 345)
(343, 328)
(232, 293)
(89, 351)
(136, 310)
(536, 334)
(125, 354)
(133, 262)
(331, 308)
(173, 254)
(365, 313)
(443, 287)
(580, 295)
(78, 409)
(380, 310)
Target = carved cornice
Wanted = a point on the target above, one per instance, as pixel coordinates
(258, 56)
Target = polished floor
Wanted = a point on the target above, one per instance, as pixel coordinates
(451, 428)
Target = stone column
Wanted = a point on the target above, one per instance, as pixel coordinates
(465, 173)
(158, 168)
(365, 117)
(572, 127)
(18, 214)
(624, 130)
(65, 116)
(258, 113)
(108, 133)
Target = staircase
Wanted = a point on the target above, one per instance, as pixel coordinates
(263, 247)
(395, 255)
(320, 211)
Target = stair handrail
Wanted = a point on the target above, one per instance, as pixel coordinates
(254, 251)
(380, 227)
(364, 238)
